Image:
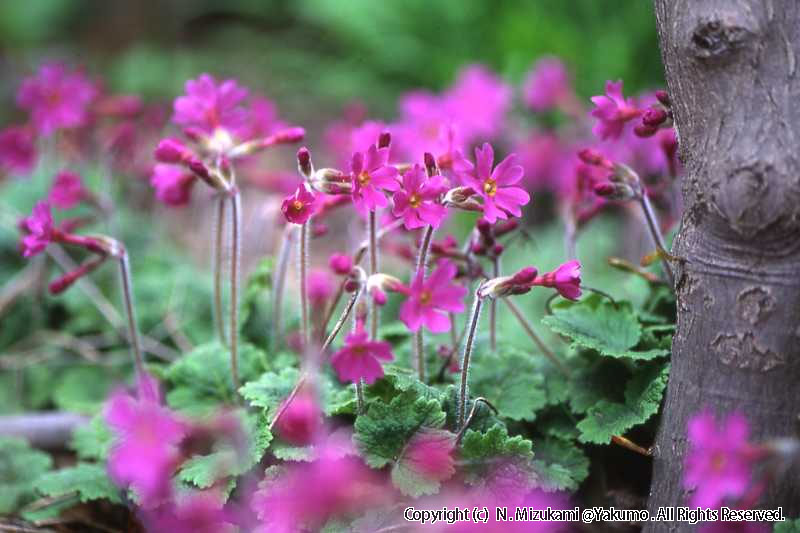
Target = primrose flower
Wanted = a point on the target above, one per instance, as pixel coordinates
(211, 106)
(547, 85)
(56, 98)
(194, 512)
(612, 111)
(359, 358)
(340, 263)
(429, 300)
(477, 102)
(298, 207)
(500, 198)
(320, 286)
(17, 150)
(146, 450)
(417, 201)
(720, 460)
(566, 279)
(173, 184)
(301, 420)
(67, 190)
(369, 173)
(38, 228)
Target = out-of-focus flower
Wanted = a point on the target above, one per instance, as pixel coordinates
(301, 420)
(429, 300)
(370, 174)
(720, 460)
(320, 286)
(430, 454)
(300, 206)
(500, 197)
(417, 201)
(192, 512)
(566, 279)
(209, 106)
(173, 184)
(360, 357)
(17, 150)
(146, 449)
(547, 162)
(547, 85)
(67, 190)
(340, 263)
(612, 111)
(38, 228)
(56, 98)
(477, 103)
(263, 118)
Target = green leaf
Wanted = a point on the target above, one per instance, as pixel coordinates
(593, 381)
(481, 452)
(82, 389)
(413, 479)
(89, 480)
(642, 399)
(789, 526)
(20, 468)
(560, 464)
(384, 430)
(511, 381)
(92, 440)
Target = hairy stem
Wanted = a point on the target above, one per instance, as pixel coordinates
(655, 232)
(473, 326)
(279, 284)
(373, 269)
(236, 245)
(303, 281)
(534, 337)
(127, 299)
(342, 319)
(493, 308)
(219, 223)
(419, 341)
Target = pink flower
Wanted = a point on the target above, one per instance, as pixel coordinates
(547, 85)
(566, 279)
(612, 111)
(210, 105)
(477, 103)
(359, 357)
(369, 174)
(500, 199)
(719, 461)
(17, 150)
(56, 98)
(193, 512)
(300, 206)
(173, 184)
(301, 421)
(340, 263)
(146, 450)
(263, 118)
(320, 287)
(67, 190)
(38, 228)
(418, 201)
(430, 453)
(430, 300)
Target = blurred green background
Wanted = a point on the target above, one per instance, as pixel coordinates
(313, 56)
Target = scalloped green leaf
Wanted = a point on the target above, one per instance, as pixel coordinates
(481, 451)
(559, 464)
(92, 440)
(89, 481)
(20, 469)
(414, 479)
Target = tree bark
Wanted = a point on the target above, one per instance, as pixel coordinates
(732, 74)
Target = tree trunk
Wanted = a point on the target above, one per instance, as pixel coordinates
(732, 75)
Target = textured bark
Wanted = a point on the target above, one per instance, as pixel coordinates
(732, 74)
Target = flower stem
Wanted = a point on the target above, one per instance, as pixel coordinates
(236, 245)
(419, 342)
(342, 319)
(127, 298)
(473, 326)
(303, 281)
(218, 249)
(655, 232)
(626, 443)
(373, 269)
(360, 402)
(281, 268)
(534, 337)
(570, 237)
(493, 308)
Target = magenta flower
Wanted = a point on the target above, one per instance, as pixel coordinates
(209, 105)
(320, 287)
(477, 103)
(566, 279)
(56, 98)
(430, 453)
(173, 184)
(17, 150)
(547, 85)
(340, 263)
(38, 229)
(370, 172)
(67, 190)
(612, 111)
(719, 461)
(418, 200)
(500, 198)
(193, 512)
(146, 450)
(301, 420)
(300, 206)
(360, 357)
(430, 300)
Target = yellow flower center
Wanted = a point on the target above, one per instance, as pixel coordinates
(718, 462)
(425, 297)
(359, 350)
(490, 187)
(297, 205)
(415, 200)
(364, 178)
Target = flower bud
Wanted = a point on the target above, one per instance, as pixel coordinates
(506, 227)
(485, 227)
(497, 250)
(663, 97)
(304, 162)
(654, 117)
(593, 157)
(384, 139)
(430, 164)
(172, 151)
(644, 131)
(614, 191)
(519, 283)
(384, 283)
(331, 181)
(341, 264)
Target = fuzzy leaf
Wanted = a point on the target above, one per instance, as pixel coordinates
(82, 389)
(20, 468)
(384, 430)
(642, 399)
(92, 440)
(89, 480)
(481, 452)
(594, 381)
(560, 464)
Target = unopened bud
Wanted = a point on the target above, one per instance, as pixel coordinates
(195, 134)
(331, 181)
(384, 283)
(506, 227)
(663, 97)
(593, 157)
(172, 151)
(341, 264)
(497, 250)
(654, 117)
(384, 139)
(614, 191)
(644, 131)
(355, 280)
(319, 229)
(484, 227)
(304, 162)
(430, 164)
(477, 248)
(458, 196)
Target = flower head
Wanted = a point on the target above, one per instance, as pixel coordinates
(612, 111)
(566, 279)
(193, 512)
(146, 449)
(370, 173)
(301, 419)
(17, 150)
(173, 184)
(209, 106)
(320, 287)
(360, 357)
(477, 102)
(56, 98)
(340, 263)
(429, 300)
(495, 186)
(720, 459)
(417, 201)
(38, 229)
(300, 206)
(67, 190)
(547, 85)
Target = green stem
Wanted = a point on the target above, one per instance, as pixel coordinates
(493, 308)
(526, 326)
(473, 326)
(281, 268)
(655, 232)
(303, 282)
(236, 245)
(373, 269)
(218, 249)
(419, 342)
(127, 298)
